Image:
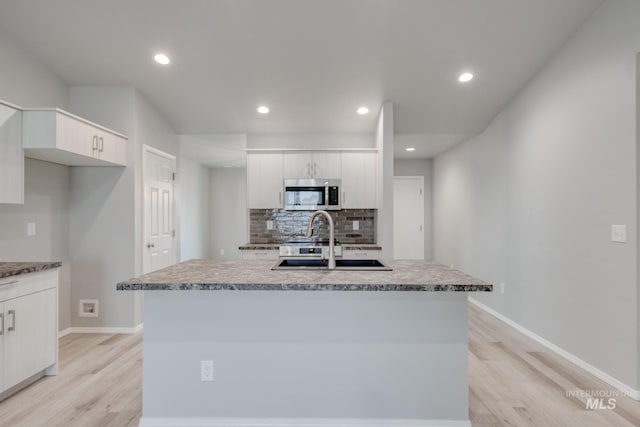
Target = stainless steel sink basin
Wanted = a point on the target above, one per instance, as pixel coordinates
(321, 264)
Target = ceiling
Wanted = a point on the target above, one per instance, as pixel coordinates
(313, 62)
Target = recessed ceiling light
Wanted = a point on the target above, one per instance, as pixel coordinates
(363, 110)
(465, 77)
(162, 59)
(410, 149)
(263, 109)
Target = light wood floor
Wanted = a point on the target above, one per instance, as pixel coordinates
(513, 382)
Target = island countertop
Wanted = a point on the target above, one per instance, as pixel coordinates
(243, 275)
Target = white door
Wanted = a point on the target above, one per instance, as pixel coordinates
(159, 227)
(408, 217)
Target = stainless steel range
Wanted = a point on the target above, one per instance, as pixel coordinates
(309, 248)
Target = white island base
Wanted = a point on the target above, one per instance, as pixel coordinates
(305, 358)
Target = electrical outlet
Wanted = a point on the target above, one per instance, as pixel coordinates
(222, 252)
(502, 288)
(31, 229)
(269, 225)
(206, 370)
(356, 225)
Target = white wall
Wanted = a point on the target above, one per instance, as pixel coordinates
(26, 82)
(420, 167)
(383, 140)
(530, 202)
(106, 205)
(46, 203)
(193, 180)
(228, 212)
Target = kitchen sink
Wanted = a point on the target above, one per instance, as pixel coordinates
(321, 264)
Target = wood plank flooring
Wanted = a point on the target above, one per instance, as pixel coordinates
(513, 382)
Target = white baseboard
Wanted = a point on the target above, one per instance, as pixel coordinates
(99, 330)
(295, 422)
(627, 390)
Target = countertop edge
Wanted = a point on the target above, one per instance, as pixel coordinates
(123, 286)
(28, 267)
(275, 246)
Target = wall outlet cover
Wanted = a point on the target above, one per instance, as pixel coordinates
(206, 370)
(356, 225)
(31, 229)
(619, 233)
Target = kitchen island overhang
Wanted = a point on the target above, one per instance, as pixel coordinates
(371, 348)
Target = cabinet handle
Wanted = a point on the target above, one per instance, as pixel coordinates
(9, 283)
(309, 169)
(94, 143)
(101, 145)
(280, 197)
(12, 313)
(1, 323)
(315, 169)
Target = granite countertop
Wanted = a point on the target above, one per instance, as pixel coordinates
(15, 268)
(217, 275)
(274, 246)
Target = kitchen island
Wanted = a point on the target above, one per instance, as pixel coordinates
(305, 348)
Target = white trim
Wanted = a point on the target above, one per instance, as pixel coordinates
(627, 390)
(296, 422)
(99, 330)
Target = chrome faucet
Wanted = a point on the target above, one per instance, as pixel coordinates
(332, 249)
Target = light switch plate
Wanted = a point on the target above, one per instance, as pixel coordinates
(356, 225)
(31, 229)
(269, 225)
(619, 233)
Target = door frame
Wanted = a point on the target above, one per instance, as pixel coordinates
(146, 150)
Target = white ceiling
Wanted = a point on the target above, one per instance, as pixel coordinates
(313, 62)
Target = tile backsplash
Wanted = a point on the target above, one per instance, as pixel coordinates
(290, 224)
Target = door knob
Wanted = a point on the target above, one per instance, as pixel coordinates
(150, 245)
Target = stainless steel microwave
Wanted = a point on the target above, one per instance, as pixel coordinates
(312, 194)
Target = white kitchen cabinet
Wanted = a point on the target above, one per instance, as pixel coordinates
(358, 180)
(258, 254)
(29, 326)
(264, 180)
(57, 136)
(312, 164)
(11, 155)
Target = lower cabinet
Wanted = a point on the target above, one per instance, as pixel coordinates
(28, 326)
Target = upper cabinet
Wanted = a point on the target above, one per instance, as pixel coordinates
(11, 155)
(264, 180)
(56, 136)
(358, 180)
(312, 164)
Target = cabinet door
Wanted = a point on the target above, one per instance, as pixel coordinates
(358, 180)
(297, 164)
(111, 148)
(74, 136)
(264, 180)
(11, 156)
(326, 164)
(30, 335)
